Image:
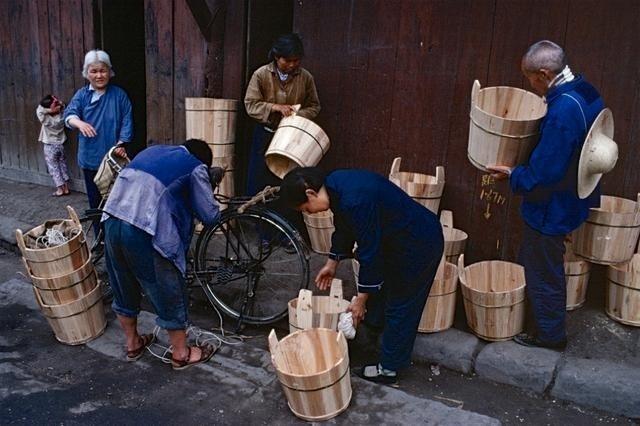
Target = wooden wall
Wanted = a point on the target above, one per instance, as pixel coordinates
(42, 46)
(394, 79)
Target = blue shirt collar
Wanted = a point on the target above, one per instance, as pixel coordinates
(563, 88)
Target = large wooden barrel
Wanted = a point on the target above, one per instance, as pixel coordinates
(576, 272)
(320, 228)
(213, 121)
(439, 312)
(298, 142)
(623, 292)
(313, 368)
(493, 293)
(65, 288)
(455, 240)
(325, 310)
(504, 125)
(425, 189)
(610, 233)
(54, 261)
(76, 322)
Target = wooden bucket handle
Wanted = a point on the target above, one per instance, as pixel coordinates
(440, 174)
(461, 273)
(20, 241)
(26, 266)
(296, 108)
(273, 342)
(395, 166)
(446, 218)
(340, 337)
(303, 310)
(74, 216)
(475, 92)
(336, 289)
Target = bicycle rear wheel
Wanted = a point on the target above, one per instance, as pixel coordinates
(94, 233)
(251, 264)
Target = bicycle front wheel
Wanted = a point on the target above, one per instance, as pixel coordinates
(251, 264)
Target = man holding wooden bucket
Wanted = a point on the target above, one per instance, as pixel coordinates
(551, 206)
(400, 245)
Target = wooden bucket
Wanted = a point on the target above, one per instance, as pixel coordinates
(213, 121)
(623, 292)
(66, 288)
(576, 272)
(504, 125)
(610, 234)
(298, 142)
(59, 260)
(438, 313)
(425, 189)
(455, 240)
(493, 293)
(313, 368)
(320, 228)
(76, 322)
(325, 310)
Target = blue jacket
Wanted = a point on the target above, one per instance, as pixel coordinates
(549, 180)
(110, 115)
(160, 192)
(397, 237)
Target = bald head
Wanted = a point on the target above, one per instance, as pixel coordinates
(545, 55)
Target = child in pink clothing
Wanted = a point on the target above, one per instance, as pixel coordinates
(52, 136)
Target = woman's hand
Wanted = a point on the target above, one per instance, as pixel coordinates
(326, 274)
(285, 110)
(358, 308)
(120, 152)
(86, 129)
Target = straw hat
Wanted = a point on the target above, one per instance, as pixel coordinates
(599, 153)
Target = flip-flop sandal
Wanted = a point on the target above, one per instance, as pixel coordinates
(207, 352)
(373, 374)
(56, 194)
(146, 340)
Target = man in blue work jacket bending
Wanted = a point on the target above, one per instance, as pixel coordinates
(400, 245)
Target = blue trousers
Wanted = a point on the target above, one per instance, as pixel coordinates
(543, 259)
(400, 316)
(92, 190)
(134, 266)
(259, 175)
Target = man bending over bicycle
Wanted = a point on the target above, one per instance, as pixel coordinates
(148, 225)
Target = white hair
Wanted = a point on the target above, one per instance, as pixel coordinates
(545, 54)
(94, 57)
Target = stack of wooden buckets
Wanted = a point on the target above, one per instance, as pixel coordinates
(312, 363)
(214, 121)
(609, 237)
(65, 283)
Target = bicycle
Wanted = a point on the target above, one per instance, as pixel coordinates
(240, 262)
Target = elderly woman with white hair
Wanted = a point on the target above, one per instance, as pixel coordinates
(102, 114)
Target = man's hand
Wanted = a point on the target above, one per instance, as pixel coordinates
(501, 172)
(358, 308)
(326, 274)
(285, 110)
(120, 152)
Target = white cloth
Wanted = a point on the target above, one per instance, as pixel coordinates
(345, 324)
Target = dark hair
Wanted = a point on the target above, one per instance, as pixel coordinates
(46, 101)
(297, 181)
(286, 45)
(199, 149)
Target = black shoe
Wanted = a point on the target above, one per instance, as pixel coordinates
(525, 339)
(373, 374)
